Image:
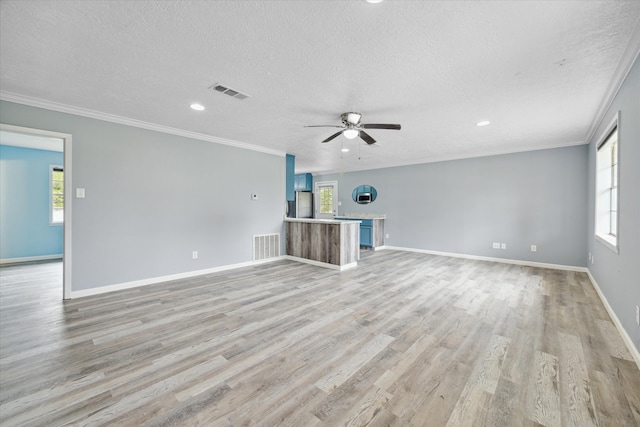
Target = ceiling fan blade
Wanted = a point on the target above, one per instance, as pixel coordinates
(324, 126)
(367, 138)
(380, 126)
(332, 136)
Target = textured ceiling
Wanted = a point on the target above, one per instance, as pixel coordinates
(539, 71)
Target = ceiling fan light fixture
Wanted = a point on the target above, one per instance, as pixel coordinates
(483, 123)
(352, 128)
(197, 107)
(351, 118)
(350, 133)
(345, 150)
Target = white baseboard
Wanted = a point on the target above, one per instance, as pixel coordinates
(623, 332)
(29, 259)
(154, 280)
(492, 259)
(323, 264)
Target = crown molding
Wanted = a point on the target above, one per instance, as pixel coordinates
(98, 115)
(629, 57)
(466, 156)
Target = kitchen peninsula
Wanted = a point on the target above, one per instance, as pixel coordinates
(326, 242)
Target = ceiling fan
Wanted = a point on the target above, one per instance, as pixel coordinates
(352, 128)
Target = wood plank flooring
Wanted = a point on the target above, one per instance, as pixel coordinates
(405, 339)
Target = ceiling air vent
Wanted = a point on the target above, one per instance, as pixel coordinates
(228, 91)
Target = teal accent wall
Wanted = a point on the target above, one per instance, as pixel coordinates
(25, 203)
(290, 178)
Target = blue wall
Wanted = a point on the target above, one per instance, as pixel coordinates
(153, 198)
(618, 274)
(463, 206)
(24, 204)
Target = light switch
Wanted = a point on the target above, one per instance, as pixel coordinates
(80, 193)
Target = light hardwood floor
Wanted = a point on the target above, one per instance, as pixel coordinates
(405, 339)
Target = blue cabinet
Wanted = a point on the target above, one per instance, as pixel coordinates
(366, 233)
(303, 182)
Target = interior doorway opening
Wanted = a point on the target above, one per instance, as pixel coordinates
(40, 139)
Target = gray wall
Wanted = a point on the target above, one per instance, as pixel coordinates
(463, 206)
(618, 275)
(153, 198)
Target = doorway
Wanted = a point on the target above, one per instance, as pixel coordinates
(326, 199)
(46, 140)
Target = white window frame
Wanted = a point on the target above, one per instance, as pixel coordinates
(607, 197)
(317, 197)
(52, 168)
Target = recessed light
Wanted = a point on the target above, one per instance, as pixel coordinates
(374, 1)
(483, 123)
(345, 150)
(197, 107)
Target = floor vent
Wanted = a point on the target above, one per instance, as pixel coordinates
(228, 91)
(266, 246)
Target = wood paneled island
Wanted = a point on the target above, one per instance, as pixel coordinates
(325, 242)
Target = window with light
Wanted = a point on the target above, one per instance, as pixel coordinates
(57, 195)
(607, 188)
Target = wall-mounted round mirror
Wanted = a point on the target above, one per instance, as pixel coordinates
(364, 194)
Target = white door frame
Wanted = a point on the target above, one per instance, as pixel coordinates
(66, 245)
(316, 201)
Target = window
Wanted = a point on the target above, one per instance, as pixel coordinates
(326, 199)
(607, 187)
(57, 195)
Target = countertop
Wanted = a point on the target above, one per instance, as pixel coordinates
(320, 221)
(363, 216)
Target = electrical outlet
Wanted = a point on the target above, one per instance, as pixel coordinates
(194, 254)
(503, 246)
(496, 245)
(638, 314)
(387, 236)
(534, 248)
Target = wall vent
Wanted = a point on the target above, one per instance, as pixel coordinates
(228, 91)
(266, 246)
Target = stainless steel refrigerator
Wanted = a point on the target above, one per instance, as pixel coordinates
(304, 204)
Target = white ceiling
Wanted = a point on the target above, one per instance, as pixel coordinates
(540, 71)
